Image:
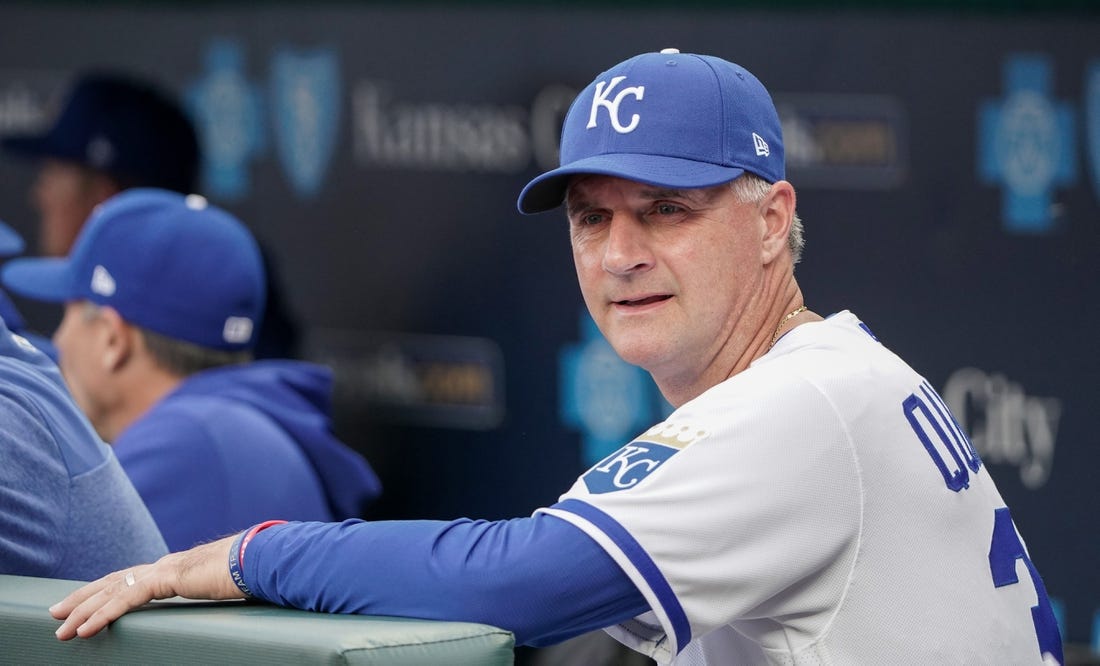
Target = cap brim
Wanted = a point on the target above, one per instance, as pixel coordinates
(547, 191)
(11, 243)
(31, 145)
(40, 145)
(40, 279)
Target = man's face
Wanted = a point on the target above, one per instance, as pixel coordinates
(666, 274)
(78, 341)
(64, 194)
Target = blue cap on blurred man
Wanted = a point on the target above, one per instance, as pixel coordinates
(167, 262)
(11, 244)
(122, 127)
(668, 119)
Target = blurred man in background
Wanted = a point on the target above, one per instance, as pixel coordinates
(115, 132)
(68, 509)
(112, 133)
(163, 296)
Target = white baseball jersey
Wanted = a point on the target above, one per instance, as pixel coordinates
(821, 507)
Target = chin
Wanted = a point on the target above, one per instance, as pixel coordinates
(642, 354)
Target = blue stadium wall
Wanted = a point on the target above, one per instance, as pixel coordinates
(947, 164)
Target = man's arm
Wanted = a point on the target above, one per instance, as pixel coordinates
(538, 577)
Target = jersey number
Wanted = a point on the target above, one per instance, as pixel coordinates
(1003, 553)
(938, 431)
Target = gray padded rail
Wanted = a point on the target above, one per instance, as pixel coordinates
(176, 631)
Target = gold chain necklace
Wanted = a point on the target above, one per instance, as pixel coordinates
(784, 320)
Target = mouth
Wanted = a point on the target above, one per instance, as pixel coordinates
(645, 300)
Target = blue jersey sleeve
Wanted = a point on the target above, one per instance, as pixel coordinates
(540, 578)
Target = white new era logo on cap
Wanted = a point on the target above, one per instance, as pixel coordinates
(237, 329)
(102, 282)
(761, 145)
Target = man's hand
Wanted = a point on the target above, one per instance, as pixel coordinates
(199, 573)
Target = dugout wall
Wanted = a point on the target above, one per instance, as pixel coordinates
(947, 164)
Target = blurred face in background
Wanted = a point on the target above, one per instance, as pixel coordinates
(80, 341)
(64, 195)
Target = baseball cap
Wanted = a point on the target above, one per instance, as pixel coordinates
(167, 262)
(668, 119)
(123, 127)
(11, 243)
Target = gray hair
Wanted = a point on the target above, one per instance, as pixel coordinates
(183, 358)
(178, 357)
(751, 189)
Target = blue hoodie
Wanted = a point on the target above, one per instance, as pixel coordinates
(236, 445)
(67, 509)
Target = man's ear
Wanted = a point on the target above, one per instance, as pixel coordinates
(778, 209)
(119, 339)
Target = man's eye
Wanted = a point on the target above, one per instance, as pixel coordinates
(668, 209)
(591, 218)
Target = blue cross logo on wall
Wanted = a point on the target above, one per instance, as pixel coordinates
(228, 111)
(1092, 127)
(1027, 144)
(305, 99)
(606, 398)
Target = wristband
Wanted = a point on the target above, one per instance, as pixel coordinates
(236, 553)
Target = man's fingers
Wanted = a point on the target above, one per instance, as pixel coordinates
(63, 608)
(200, 573)
(91, 608)
(103, 615)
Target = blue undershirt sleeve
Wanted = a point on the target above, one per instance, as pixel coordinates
(539, 577)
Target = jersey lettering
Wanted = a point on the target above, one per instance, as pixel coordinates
(940, 433)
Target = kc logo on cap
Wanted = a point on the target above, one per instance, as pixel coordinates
(599, 99)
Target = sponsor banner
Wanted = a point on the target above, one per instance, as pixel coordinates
(424, 380)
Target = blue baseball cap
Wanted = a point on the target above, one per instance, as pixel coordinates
(123, 127)
(11, 243)
(668, 119)
(167, 262)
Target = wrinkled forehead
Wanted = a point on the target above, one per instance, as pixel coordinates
(584, 187)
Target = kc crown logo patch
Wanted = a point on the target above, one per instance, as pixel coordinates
(628, 466)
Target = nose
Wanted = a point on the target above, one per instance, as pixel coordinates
(628, 247)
